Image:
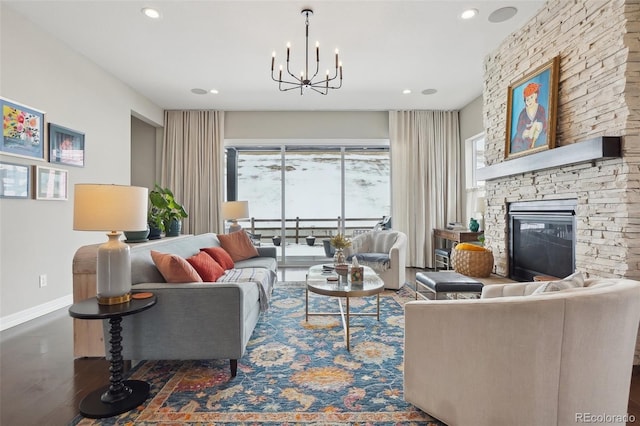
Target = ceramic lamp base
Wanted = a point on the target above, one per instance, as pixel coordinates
(114, 271)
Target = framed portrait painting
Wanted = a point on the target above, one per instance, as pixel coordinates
(22, 130)
(14, 180)
(532, 110)
(66, 146)
(51, 184)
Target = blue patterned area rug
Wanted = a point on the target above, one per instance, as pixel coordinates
(293, 372)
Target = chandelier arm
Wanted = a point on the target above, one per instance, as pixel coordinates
(299, 80)
(297, 86)
(296, 83)
(316, 90)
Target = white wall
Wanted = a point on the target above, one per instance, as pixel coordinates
(471, 120)
(36, 237)
(306, 124)
(144, 152)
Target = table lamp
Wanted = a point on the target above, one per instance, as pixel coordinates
(112, 208)
(480, 209)
(234, 210)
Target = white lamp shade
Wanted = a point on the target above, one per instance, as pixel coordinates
(480, 204)
(99, 207)
(235, 210)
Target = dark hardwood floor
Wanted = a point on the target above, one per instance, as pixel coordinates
(42, 384)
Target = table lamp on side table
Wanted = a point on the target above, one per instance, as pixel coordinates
(111, 208)
(234, 210)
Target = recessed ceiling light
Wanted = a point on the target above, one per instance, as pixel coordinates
(469, 13)
(199, 91)
(502, 14)
(429, 91)
(214, 91)
(151, 13)
(406, 91)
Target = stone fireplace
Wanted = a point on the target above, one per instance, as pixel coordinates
(598, 44)
(598, 96)
(541, 239)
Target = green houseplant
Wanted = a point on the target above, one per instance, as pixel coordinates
(165, 213)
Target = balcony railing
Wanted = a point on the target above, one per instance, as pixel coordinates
(297, 228)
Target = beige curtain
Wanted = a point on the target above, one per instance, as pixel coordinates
(425, 177)
(193, 166)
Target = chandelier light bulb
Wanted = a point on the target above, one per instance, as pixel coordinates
(307, 79)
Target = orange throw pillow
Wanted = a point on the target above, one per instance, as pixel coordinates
(238, 245)
(207, 268)
(219, 255)
(174, 268)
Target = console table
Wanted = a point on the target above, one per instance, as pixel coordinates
(456, 236)
(121, 395)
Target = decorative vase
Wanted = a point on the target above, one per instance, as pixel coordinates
(136, 236)
(474, 225)
(155, 233)
(339, 258)
(174, 228)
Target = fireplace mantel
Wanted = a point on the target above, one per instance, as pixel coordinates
(600, 148)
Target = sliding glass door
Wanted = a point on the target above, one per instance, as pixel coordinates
(301, 195)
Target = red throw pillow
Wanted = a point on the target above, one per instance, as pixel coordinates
(174, 268)
(208, 269)
(221, 256)
(238, 245)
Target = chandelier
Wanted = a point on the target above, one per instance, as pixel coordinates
(306, 81)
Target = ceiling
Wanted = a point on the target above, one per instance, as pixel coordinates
(385, 47)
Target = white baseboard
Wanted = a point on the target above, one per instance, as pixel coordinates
(35, 312)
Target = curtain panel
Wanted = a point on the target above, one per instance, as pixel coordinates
(425, 177)
(193, 166)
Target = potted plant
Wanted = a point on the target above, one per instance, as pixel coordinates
(155, 221)
(340, 242)
(165, 212)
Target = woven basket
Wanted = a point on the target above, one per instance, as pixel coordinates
(472, 263)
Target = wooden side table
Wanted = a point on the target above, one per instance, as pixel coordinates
(121, 395)
(451, 235)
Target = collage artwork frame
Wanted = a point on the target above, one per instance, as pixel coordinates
(51, 184)
(66, 146)
(23, 131)
(15, 180)
(532, 128)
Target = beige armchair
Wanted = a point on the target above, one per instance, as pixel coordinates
(383, 251)
(512, 358)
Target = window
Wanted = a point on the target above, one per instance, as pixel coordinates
(302, 189)
(474, 160)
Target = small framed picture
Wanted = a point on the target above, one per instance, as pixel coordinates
(66, 146)
(531, 111)
(15, 180)
(51, 184)
(22, 131)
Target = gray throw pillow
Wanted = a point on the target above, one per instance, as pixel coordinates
(572, 281)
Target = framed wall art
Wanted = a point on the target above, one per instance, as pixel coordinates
(532, 110)
(22, 131)
(51, 184)
(15, 180)
(66, 146)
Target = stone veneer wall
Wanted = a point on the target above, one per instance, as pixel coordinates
(599, 95)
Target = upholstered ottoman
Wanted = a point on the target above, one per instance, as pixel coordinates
(441, 283)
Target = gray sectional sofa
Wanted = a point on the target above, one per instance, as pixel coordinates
(195, 320)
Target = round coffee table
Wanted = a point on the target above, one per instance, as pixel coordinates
(317, 283)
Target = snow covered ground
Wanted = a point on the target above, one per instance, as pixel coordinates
(312, 185)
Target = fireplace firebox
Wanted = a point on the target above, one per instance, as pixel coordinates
(542, 239)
